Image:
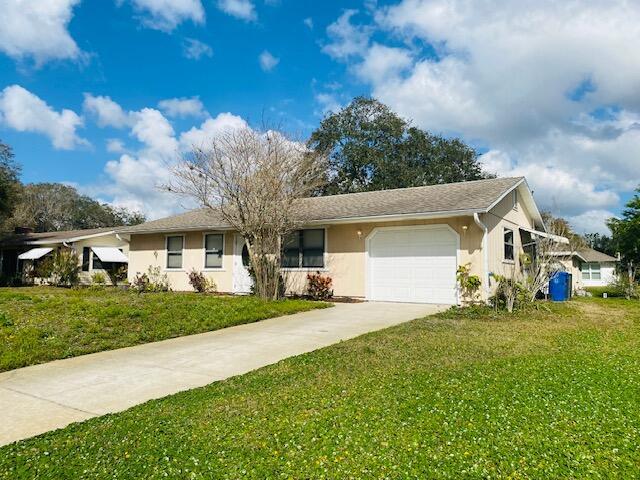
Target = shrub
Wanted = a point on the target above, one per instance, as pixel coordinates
(200, 282)
(152, 281)
(117, 274)
(469, 284)
(65, 269)
(509, 293)
(98, 278)
(319, 286)
(618, 288)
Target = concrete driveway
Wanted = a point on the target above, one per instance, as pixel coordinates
(45, 397)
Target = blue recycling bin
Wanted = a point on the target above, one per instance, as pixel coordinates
(560, 287)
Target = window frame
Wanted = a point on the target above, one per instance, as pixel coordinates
(86, 262)
(505, 245)
(301, 249)
(205, 251)
(167, 252)
(591, 271)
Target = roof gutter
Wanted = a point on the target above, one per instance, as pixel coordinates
(485, 253)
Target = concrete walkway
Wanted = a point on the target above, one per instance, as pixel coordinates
(44, 397)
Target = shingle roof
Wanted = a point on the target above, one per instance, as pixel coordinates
(476, 195)
(591, 255)
(53, 237)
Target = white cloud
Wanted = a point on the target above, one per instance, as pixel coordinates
(556, 189)
(115, 145)
(201, 136)
(152, 129)
(136, 177)
(25, 112)
(308, 22)
(107, 112)
(182, 107)
(38, 30)
(243, 9)
(381, 62)
(195, 49)
(267, 61)
(522, 78)
(591, 221)
(166, 15)
(346, 38)
(328, 103)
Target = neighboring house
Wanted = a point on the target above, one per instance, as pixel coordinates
(393, 245)
(99, 250)
(589, 267)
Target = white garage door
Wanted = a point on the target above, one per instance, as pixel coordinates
(413, 265)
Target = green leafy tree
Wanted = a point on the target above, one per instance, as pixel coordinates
(372, 148)
(626, 234)
(602, 243)
(54, 206)
(9, 182)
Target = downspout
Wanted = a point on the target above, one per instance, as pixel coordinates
(485, 253)
(122, 239)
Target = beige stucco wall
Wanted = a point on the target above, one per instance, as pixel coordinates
(345, 255)
(345, 258)
(502, 216)
(346, 252)
(150, 250)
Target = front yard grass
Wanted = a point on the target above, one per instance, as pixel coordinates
(466, 394)
(39, 324)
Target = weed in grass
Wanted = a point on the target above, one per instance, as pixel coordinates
(39, 324)
(538, 394)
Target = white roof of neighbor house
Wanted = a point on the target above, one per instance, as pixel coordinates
(34, 253)
(110, 254)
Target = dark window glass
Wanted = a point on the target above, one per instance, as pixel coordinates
(97, 263)
(174, 251)
(313, 248)
(86, 255)
(291, 250)
(213, 250)
(304, 248)
(246, 260)
(508, 244)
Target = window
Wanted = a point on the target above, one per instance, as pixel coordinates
(304, 249)
(508, 244)
(86, 256)
(174, 251)
(97, 263)
(590, 271)
(213, 249)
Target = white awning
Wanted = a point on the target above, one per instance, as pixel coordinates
(110, 254)
(34, 253)
(556, 238)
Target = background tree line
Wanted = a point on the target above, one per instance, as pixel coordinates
(49, 207)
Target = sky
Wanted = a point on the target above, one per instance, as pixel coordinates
(105, 94)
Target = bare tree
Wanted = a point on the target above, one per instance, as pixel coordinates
(546, 253)
(254, 180)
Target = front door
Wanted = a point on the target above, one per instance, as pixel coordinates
(242, 281)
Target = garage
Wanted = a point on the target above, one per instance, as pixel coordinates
(412, 264)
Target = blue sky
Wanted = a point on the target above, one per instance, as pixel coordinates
(101, 94)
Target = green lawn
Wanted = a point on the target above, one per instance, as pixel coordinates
(472, 394)
(39, 324)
